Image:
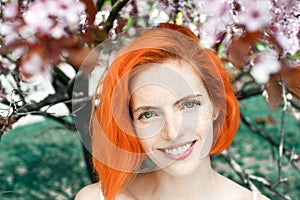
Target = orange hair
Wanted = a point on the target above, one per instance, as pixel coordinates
(117, 152)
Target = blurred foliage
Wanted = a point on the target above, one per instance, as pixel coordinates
(41, 161)
(256, 155)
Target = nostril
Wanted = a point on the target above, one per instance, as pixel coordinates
(172, 124)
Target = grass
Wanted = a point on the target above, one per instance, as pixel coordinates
(257, 156)
(45, 160)
(41, 161)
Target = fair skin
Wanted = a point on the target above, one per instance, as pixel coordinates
(173, 117)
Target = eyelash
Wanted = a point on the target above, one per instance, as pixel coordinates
(188, 102)
(142, 115)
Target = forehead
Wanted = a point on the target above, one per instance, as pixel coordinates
(178, 77)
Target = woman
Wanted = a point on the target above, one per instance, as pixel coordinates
(166, 105)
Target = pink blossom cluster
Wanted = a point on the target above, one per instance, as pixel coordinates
(279, 18)
(223, 15)
(263, 65)
(275, 18)
(53, 18)
(35, 21)
(221, 21)
(285, 24)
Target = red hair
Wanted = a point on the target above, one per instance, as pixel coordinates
(117, 152)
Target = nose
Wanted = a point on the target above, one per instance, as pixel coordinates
(171, 128)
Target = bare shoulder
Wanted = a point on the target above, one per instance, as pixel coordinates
(262, 197)
(232, 190)
(89, 192)
(125, 197)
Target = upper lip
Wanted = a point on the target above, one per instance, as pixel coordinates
(176, 145)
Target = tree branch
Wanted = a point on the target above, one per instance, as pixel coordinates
(114, 14)
(247, 178)
(280, 147)
(295, 105)
(66, 123)
(248, 93)
(100, 4)
(256, 130)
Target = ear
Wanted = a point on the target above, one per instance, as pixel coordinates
(216, 113)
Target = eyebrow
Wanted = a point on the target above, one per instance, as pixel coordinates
(184, 99)
(143, 108)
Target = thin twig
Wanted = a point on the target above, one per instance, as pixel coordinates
(237, 168)
(256, 130)
(247, 178)
(268, 185)
(66, 123)
(281, 144)
(248, 93)
(295, 105)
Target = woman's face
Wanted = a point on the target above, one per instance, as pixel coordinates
(172, 115)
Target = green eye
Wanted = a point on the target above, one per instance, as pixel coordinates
(146, 115)
(191, 104)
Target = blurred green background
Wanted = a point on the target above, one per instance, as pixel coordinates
(41, 161)
(45, 160)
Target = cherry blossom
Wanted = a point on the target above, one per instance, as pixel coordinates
(7, 31)
(285, 26)
(55, 15)
(158, 16)
(255, 15)
(210, 30)
(37, 18)
(101, 16)
(263, 65)
(214, 7)
(290, 44)
(33, 66)
(11, 11)
(166, 6)
(53, 18)
(218, 19)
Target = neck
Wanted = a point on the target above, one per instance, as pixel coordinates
(193, 184)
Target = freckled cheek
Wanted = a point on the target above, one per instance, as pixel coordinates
(191, 123)
(150, 129)
(196, 122)
(148, 145)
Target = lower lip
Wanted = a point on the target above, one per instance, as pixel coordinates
(182, 156)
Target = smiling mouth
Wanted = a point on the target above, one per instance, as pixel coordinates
(178, 152)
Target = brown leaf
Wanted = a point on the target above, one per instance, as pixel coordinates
(53, 48)
(240, 48)
(265, 120)
(83, 59)
(98, 35)
(2, 95)
(121, 23)
(274, 93)
(6, 124)
(91, 11)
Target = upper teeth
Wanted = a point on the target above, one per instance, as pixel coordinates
(179, 150)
